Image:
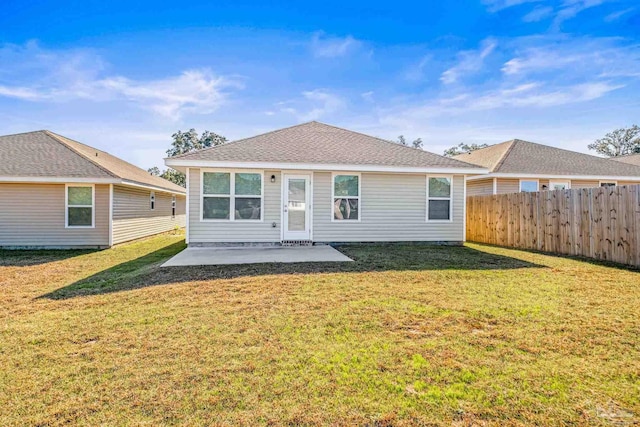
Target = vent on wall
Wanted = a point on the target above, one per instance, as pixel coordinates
(297, 243)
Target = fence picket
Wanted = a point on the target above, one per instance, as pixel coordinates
(601, 222)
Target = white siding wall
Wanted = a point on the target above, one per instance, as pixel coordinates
(134, 219)
(236, 231)
(33, 215)
(393, 208)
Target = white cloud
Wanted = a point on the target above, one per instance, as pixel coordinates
(332, 47)
(571, 8)
(469, 61)
(70, 75)
(315, 104)
(498, 5)
(605, 58)
(617, 15)
(367, 96)
(538, 14)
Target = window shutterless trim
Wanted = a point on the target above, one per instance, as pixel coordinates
(67, 206)
(231, 196)
(333, 196)
(450, 198)
(607, 181)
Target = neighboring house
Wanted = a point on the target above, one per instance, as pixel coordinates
(632, 159)
(319, 183)
(517, 165)
(59, 193)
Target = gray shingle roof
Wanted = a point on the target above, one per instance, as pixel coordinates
(632, 159)
(319, 143)
(46, 154)
(522, 157)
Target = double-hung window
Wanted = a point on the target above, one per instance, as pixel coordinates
(79, 201)
(232, 196)
(439, 198)
(346, 197)
(173, 206)
(152, 200)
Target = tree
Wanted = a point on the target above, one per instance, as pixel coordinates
(620, 142)
(417, 143)
(463, 148)
(186, 142)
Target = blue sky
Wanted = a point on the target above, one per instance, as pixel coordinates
(123, 76)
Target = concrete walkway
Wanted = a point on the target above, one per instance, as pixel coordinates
(253, 255)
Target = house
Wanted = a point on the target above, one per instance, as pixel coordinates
(632, 159)
(59, 193)
(319, 183)
(518, 165)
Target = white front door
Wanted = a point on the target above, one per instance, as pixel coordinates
(296, 212)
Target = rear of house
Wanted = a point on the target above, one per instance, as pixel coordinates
(59, 193)
(517, 165)
(315, 183)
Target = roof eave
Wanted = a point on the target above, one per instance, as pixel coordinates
(552, 176)
(59, 179)
(182, 163)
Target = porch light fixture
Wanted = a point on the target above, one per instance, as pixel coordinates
(273, 178)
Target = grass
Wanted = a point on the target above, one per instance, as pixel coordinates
(406, 335)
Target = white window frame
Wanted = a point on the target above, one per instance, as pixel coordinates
(66, 205)
(333, 197)
(615, 183)
(536, 180)
(232, 196)
(152, 200)
(553, 182)
(173, 205)
(450, 198)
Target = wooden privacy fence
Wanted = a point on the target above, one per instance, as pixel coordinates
(601, 223)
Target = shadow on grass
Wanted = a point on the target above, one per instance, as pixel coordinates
(145, 271)
(586, 260)
(27, 258)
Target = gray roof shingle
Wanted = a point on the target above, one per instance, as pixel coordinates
(632, 159)
(319, 143)
(46, 154)
(523, 157)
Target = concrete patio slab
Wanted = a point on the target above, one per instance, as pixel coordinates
(253, 255)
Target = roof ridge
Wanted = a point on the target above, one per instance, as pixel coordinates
(240, 140)
(59, 139)
(504, 155)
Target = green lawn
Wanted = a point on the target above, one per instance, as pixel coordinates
(406, 335)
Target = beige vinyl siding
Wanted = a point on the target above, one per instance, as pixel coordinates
(543, 184)
(236, 231)
(508, 185)
(393, 208)
(480, 187)
(133, 217)
(576, 183)
(33, 215)
(628, 182)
